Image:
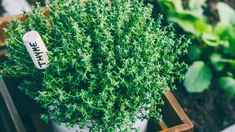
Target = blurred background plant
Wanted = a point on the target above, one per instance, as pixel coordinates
(210, 24)
(213, 51)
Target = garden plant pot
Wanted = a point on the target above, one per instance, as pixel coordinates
(174, 118)
(63, 128)
(141, 125)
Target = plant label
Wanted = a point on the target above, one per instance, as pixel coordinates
(37, 49)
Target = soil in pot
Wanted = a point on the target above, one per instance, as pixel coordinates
(210, 111)
(141, 125)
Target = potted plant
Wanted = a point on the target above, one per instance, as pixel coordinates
(110, 62)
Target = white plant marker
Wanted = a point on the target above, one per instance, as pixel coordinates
(37, 49)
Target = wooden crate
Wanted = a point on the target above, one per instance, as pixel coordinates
(175, 119)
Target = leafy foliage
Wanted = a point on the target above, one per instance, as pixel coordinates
(212, 44)
(228, 84)
(110, 61)
(198, 72)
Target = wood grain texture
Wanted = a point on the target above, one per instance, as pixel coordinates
(6, 123)
(11, 107)
(5, 20)
(187, 125)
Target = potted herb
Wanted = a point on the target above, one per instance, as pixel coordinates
(110, 62)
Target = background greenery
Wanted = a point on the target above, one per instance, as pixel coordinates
(208, 97)
(213, 51)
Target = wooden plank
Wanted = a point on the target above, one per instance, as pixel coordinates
(187, 125)
(3, 52)
(3, 22)
(163, 125)
(6, 123)
(11, 107)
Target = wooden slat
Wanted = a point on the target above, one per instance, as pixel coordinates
(11, 107)
(6, 123)
(163, 125)
(3, 52)
(187, 125)
(3, 22)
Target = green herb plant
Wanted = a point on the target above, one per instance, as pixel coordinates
(212, 52)
(109, 62)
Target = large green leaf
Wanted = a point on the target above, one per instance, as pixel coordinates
(232, 45)
(223, 30)
(228, 85)
(198, 77)
(191, 24)
(217, 61)
(168, 6)
(210, 39)
(231, 62)
(194, 52)
(226, 33)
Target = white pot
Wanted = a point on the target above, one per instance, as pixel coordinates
(141, 125)
(76, 128)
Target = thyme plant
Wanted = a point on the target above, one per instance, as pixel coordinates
(109, 62)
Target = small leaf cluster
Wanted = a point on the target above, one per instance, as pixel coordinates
(213, 43)
(110, 62)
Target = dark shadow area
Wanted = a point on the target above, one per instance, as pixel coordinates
(6, 124)
(170, 117)
(1, 8)
(27, 108)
